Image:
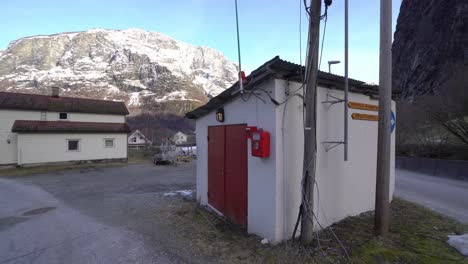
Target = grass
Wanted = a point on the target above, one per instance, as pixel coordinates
(417, 235)
(26, 171)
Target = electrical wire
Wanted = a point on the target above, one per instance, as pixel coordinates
(323, 38)
(304, 206)
(300, 34)
(304, 209)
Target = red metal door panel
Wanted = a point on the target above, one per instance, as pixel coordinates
(216, 150)
(235, 177)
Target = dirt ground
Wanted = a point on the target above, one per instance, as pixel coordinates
(108, 214)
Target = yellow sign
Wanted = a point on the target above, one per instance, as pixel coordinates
(365, 117)
(369, 107)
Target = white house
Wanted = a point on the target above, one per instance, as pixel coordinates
(137, 140)
(36, 129)
(264, 194)
(179, 138)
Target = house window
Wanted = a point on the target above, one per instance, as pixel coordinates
(134, 139)
(63, 116)
(73, 144)
(109, 142)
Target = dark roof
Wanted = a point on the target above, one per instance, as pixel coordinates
(60, 104)
(29, 126)
(281, 69)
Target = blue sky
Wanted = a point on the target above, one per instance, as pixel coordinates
(267, 28)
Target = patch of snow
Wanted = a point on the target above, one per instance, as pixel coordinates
(460, 243)
(185, 193)
(113, 89)
(72, 35)
(85, 60)
(265, 241)
(134, 99)
(187, 149)
(135, 83)
(176, 95)
(95, 30)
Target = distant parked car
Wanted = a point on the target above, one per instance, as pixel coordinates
(166, 154)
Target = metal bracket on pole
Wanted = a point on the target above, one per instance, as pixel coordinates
(332, 102)
(333, 144)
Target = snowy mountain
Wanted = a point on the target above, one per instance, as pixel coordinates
(145, 69)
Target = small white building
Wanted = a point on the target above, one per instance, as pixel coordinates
(137, 140)
(37, 129)
(264, 194)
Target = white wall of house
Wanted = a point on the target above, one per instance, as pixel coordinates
(43, 148)
(274, 184)
(136, 138)
(261, 191)
(8, 154)
(85, 117)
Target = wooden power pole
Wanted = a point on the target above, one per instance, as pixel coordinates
(310, 143)
(382, 202)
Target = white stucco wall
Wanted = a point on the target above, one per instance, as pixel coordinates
(347, 188)
(85, 117)
(43, 148)
(8, 154)
(274, 184)
(261, 205)
(290, 149)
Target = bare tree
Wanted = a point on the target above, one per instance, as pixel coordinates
(450, 112)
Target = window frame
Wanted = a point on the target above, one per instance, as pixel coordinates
(113, 142)
(63, 119)
(68, 144)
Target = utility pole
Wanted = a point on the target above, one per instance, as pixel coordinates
(310, 143)
(382, 205)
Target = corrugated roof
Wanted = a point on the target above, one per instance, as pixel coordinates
(60, 104)
(32, 126)
(281, 69)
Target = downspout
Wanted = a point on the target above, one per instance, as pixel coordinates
(18, 151)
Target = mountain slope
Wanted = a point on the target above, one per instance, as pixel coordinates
(147, 70)
(430, 48)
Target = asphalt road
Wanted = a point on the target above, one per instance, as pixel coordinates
(100, 215)
(446, 196)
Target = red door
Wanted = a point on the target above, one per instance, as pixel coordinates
(227, 171)
(235, 180)
(216, 151)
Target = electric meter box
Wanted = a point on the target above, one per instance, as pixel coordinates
(260, 144)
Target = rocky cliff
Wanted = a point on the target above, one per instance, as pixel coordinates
(430, 48)
(145, 69)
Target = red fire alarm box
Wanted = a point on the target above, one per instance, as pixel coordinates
(260, 144)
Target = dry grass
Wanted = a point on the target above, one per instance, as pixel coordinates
(417, 235)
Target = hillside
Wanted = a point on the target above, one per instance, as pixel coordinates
(148, 70)
(430, 51)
